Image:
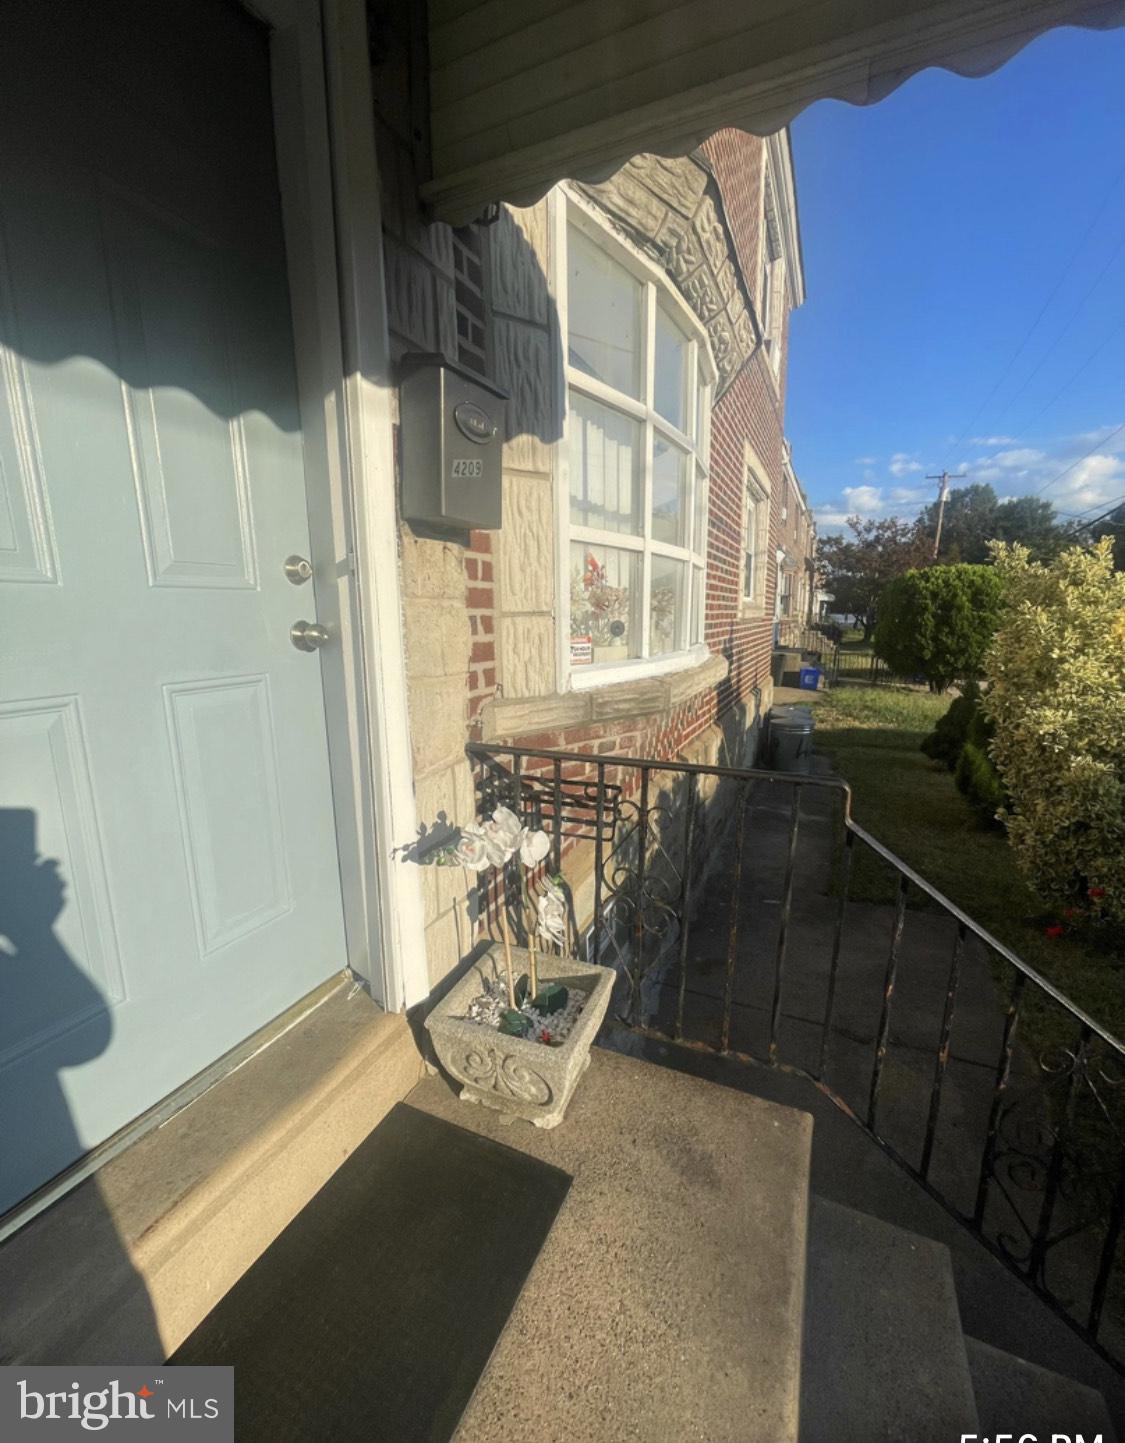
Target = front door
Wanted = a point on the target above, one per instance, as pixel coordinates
(170, 878)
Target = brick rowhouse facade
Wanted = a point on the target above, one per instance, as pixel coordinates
(485, 611)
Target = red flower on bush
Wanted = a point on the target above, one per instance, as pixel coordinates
(1054, 930)
(1096, 892)
(544, 1036)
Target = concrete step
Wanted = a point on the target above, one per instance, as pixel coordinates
(667, 1299)
(125, 1265)
(884, 1356)
(1014, 1396)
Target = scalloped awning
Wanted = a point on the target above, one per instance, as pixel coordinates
(524, 93)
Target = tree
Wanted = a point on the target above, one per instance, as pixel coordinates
(855, 569)
(974, 517)
(938, 623)
(1112, 526)
(1029, 521)
(1056, 672)
(968, 523)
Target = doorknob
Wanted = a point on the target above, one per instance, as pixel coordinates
(308, 635)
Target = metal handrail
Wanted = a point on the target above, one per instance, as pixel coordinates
(985, 936)
(632, 827)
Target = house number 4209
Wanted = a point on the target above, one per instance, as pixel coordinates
(467, 470)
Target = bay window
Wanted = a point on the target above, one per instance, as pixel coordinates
(638, 383)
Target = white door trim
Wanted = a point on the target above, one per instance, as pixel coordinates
(332, 215)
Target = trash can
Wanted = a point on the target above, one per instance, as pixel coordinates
(790, 740)
(809, 678)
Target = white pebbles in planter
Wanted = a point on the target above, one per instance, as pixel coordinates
(518, 1075)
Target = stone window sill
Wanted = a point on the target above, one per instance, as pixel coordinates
(645, 696)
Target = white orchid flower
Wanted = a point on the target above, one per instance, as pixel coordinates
(502, 836)
(534, 847)
(472, 849)
(551, 906)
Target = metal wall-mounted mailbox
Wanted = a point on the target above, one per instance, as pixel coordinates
(452, 437)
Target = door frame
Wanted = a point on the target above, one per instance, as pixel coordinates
(332, 217)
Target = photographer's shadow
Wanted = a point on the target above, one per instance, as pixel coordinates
(71, 1293)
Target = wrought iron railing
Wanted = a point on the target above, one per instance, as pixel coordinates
(793, 632)
(749, 915)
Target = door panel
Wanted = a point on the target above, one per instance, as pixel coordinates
(223, 753)
(170, 880)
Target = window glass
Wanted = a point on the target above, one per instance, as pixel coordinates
(671, 376)
(605, 597)
(754, 541)
(605, 467)
(603, 317)
(667, 599)
(669, 493)
(636, 552)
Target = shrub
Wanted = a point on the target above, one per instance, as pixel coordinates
(951, 733)
(1056, 695)
(980, 782)
(937, 623)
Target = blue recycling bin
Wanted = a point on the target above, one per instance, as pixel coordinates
(809, 678)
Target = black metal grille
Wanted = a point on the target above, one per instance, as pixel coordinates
(974, 1073)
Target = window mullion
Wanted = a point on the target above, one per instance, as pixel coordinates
(649, 334)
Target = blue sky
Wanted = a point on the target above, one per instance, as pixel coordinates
(936, 226)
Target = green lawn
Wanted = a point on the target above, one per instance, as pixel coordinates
(912, 806)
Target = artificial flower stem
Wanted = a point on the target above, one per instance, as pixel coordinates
(507, 946)
(529, 914)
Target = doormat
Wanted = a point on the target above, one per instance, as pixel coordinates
(373, 1314)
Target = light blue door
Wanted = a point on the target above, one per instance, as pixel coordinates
(170, 878)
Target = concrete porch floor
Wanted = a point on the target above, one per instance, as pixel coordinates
(667, 1301)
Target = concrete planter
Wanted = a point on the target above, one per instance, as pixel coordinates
(511, 1074)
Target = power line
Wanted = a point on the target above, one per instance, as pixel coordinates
(1110, 188)
(1085, 457)
(1084, 525)
(1072, 318)
(1098, 349)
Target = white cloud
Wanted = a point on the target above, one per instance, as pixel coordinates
(829, 519)
(991, 440)
(1020, 459)
(1090, 482)
(866, 460)
(864, 499)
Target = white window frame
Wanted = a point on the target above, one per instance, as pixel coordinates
(569, 207)
(755, 498)
(772, 300)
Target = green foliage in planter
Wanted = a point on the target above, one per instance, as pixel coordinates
(1056, 694)
(938, 622)
(550, 998)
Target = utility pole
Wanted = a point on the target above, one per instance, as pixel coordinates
(945, 478)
